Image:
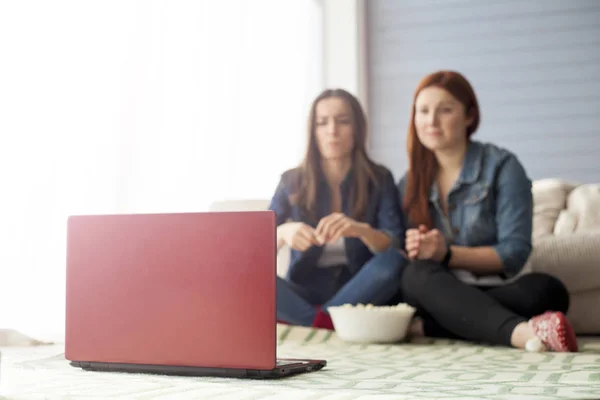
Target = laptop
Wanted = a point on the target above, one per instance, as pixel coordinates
(183, 294)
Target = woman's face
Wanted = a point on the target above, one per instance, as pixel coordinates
(334, 130)
(440, 119)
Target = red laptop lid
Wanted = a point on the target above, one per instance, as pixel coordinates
(193, 289)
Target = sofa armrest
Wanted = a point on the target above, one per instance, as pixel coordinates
(574, 259)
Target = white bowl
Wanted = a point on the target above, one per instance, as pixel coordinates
(371, 324)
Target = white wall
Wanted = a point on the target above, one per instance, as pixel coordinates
(125, 106)
(342, 32)
(344, 48)
(534, 66)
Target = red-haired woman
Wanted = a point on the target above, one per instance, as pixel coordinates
(469, 211)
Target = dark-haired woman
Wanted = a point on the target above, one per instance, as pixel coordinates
(339, 212)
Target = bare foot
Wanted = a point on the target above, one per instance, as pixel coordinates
(521, 334)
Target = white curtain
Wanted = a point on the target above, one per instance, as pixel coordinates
(122, 106)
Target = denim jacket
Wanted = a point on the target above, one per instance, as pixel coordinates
(383, 212)
(490, 204)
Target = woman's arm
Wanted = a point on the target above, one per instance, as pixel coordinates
(376, 240)
(390, 225)
(280, 205)
(514, 220)
(479, 260)
(388, 230)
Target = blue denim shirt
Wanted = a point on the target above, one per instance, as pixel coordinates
(490, 204)
(383, 212)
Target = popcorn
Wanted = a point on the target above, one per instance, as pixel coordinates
(370, 323)
(401, 306)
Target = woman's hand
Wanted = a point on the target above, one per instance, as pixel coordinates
(413, 241)
(337, 225)
(298, 235)
(425, 245)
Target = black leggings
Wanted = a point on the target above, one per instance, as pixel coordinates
(453, 309)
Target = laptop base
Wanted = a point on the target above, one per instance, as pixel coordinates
(285, 367)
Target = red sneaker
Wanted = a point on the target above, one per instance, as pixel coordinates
(555, 330)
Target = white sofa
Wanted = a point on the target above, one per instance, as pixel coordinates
(566, 243)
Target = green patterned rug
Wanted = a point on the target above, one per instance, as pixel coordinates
(423, 369)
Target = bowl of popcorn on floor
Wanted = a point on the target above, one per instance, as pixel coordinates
(371, 324)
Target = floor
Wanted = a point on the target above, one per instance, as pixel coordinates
(423, 369)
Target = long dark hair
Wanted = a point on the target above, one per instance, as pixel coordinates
(364, 169)
(422, 162)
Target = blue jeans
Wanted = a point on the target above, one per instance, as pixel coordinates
(375, 283)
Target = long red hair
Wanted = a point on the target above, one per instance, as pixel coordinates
(422, 164)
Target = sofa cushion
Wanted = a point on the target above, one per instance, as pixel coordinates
(566, 224)
(549, 199)
(584, 202)
(583, 312)
(574, 259)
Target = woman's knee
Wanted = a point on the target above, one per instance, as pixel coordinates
(550, 293)
(415, 277)
(387, 265)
